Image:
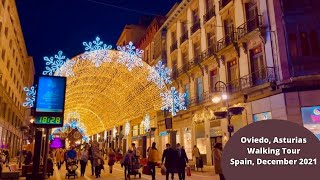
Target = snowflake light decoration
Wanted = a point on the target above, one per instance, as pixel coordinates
(160, 75)
(130, 56)
(85, 138)
(114, 132)
(173, 101)
(97, 52)
(146, 123)
(67, 67)
(31, 96)
(127, 128)
(54, 64)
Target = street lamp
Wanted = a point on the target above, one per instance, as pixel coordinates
(223, 95)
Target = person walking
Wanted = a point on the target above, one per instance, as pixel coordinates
(97, 159)
(153, 156)
(111, 160)
(197, 156)
(59, 158)
(84, 160)
(182, 161)
(28, 158)
(169, 157)
(126, 162)
(217, 155)
(91, 159)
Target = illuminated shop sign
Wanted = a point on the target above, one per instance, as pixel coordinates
(311, 119)
(262, 116)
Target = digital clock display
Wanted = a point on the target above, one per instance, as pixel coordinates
(48, 120)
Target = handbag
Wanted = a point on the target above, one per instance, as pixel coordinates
(188, 171)
(163, 170)
(146, 170)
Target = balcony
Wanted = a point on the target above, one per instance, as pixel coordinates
(223, 3)
(173, 46)
(225, 42)
(196, 26)
(194, 62)
(208, 53)
(200, 99)
(184, 37)
(249, 26)
(183, 69)
(209, 15)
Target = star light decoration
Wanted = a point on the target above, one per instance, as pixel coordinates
(97, 52)
(160, 75)
(130, 56)
(146, 122)
(31, 96)
(173, 101)
(55, 63)
(127, 128)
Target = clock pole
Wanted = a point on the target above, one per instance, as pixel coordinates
(46, 154)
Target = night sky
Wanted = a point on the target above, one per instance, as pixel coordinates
(52, 25)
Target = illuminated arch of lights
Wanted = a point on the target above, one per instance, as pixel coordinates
(107, 87)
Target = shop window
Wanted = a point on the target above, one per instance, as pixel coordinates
(305, 49)
(262, 116)
(314, 41)
(213, 79)
(311, 119)
(293, 45)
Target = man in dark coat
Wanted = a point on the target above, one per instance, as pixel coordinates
(182, 161)
(169, 156)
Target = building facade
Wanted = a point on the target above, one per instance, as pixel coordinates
(16, 72)
(266, 52)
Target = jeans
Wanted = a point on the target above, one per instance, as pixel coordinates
(83, 165)
(182, 173)
(169, 170)
(152, 166)
(92, 167)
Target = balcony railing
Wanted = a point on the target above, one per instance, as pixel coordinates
(184, 37)
(226, 41)
(258, 77)
(195, 61)
(223, 3)
(200, 99)
(183, 69)
(208, 53)
(196, 26)
(211, 12)
(249, 26)
(173, 46)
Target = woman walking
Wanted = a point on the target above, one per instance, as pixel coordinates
(217, 154)
(153, 156)
(84, 160)
(97, 159)
(111, 160)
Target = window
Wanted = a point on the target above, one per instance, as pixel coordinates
(213, 79)
(314, 41)
(174, 37)
(10, 43)
(258, 69)
(196, 49)
(185, 59)
(0, 26)
(3, 54)
(174, 65)
(209, 6)
(304, 44)
(184, 27)
(195, 15)
(210, 39)
(187, 92)
(293, 45)
(199, 89)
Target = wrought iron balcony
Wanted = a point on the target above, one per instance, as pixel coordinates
(249, 26)
(184, 37)
(200, 99)
(209, 15)
(183, 69)
(196, 26)
(195, 61)
(208, 53)
(173, 46)
(226, 41)
(258, 77)
(223, 3)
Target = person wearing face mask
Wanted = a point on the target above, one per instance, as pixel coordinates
(182, 161)
(168, 156)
